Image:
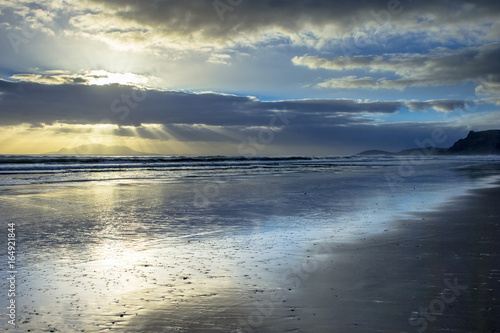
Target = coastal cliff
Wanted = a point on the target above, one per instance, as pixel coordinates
(478, 143)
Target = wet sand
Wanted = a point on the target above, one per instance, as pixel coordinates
(297, 257)
(435, 272)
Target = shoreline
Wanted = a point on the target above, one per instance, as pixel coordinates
(435, 271)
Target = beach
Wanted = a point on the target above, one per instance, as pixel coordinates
(269, 245)
(436, 271)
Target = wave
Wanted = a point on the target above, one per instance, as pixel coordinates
(39, 169)
(57, 164)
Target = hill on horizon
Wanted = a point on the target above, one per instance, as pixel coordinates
(97, 149)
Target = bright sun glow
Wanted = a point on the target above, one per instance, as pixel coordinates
(151, 138)
(102, 77)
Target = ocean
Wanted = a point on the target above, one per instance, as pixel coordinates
(103, 241)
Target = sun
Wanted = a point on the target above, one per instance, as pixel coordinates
(101, 77)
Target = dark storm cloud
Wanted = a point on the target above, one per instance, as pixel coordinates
(33, 103)
(443, 105)
(210, 117)
(241, 16)
(206, 25)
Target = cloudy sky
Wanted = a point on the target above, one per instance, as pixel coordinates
(243, 77)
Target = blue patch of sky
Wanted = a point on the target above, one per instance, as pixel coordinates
(6, 73)
(428, 115)
(411, 42)
(458, 92)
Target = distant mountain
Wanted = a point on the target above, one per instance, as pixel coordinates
(98, 149)
(376, 152)
(476, 143)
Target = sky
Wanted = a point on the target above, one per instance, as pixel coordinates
(241, 77)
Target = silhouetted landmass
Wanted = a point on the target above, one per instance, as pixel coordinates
(476, 143)
(98, 149)
(376, 152)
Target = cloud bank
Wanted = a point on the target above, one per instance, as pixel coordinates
(35, 103)
(162, 25)
(440, 67)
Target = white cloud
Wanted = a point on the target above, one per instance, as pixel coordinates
(350, 82)
(219, 58)
(441, 67)
(94, 77)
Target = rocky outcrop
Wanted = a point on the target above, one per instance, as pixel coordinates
(478, 143)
